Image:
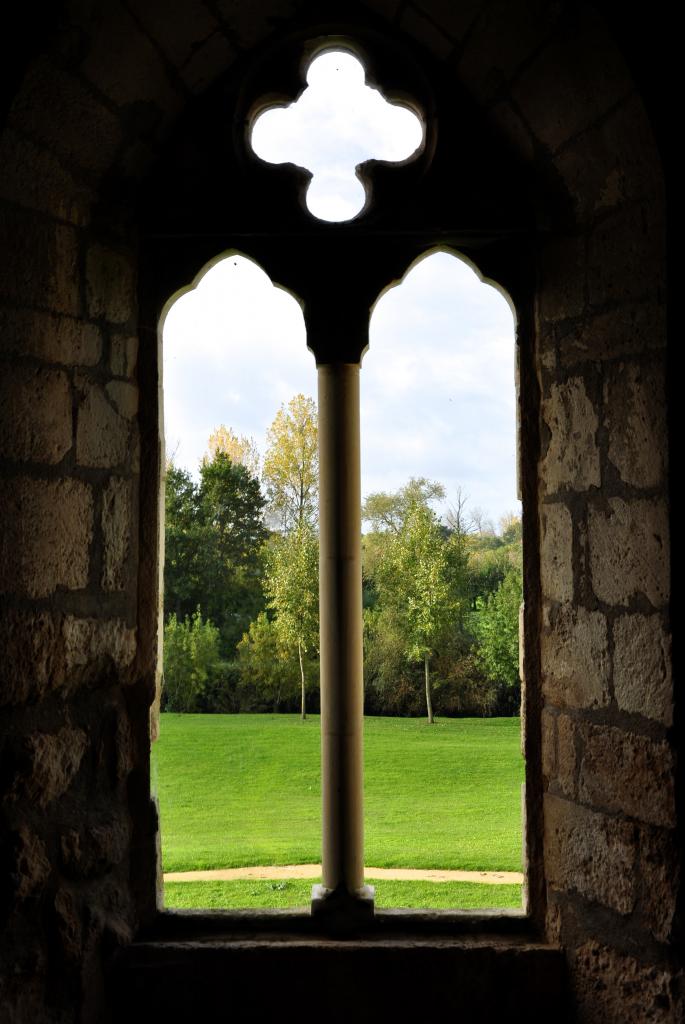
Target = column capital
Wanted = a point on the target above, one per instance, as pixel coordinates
(337, 331)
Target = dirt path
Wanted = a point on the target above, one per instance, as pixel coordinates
(314, 871)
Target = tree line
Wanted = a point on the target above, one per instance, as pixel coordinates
(440, 595)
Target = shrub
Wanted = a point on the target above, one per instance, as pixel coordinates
(191, 660)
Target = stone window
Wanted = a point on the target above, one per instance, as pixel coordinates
(337, 267)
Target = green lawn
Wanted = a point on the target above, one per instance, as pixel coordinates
(297, 893)
(237, 790)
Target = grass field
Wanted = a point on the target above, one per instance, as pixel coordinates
(240, 790)
(297, 893)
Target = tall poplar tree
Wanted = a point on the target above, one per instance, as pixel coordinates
(419, 577)
(291, 465)
(291, 583)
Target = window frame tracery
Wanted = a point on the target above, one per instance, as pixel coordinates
(341, 341)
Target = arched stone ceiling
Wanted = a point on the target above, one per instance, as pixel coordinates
(113, 78)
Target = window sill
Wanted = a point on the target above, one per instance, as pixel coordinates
(298, 923)
(479, 966)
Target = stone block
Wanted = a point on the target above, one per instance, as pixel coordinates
(140, 156)
(572, 457)
(556, 552)
(35, 414)
(615, 988)
(181, 32)
(642, 667)
(124, 65)
(117, 525)
(36, 179)
(27, 640)
(31, 867)
(629, 551)
(635, 416)
(102, 435)
(125, 747)
(561, 294)
(426, 32)
(511, 126)
(45, 653)
(43, 270)
(51, 762)
(47, 336)
(613, 163)
(549, 745)
(95, 848)
(624, 773)
(590, 854)
(110, 285)
(618, 333)
(46, 543)
(453, 19)
(207, 63)
(554, 919)
(501, 39)
(575, 657)
(123, 358)
(560, 95)
(90, 643)
(56, 108)
(386, 8)
(660, 875)
(69, 926)
(124, 396)
(567, 758)
(251, 24)
(627, 256)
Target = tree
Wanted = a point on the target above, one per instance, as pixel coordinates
(291, 465)
(231, 504)
(392, 683)
(241, 450)
(191, 656)
(497, 630)
(262, 663)
(419, 577)
(292, 585)
(231, 507)
(457, 518)
(480, 522)
(488, 563)
(186, 544)
(510, 528)
(269, 672)
(390, 511)
(214, 536)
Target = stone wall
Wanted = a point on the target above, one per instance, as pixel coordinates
(71, 746)
(77, 554)
(608, 754)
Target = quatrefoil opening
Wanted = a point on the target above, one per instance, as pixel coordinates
(337, 123)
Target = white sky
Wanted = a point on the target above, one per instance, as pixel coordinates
(337, 123)
(438, 379)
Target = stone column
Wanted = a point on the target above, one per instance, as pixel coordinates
(343, 892)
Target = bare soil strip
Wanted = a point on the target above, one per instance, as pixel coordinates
(314, 871)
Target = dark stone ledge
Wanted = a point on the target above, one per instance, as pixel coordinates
(268, 966)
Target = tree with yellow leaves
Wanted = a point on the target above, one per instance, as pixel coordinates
(291, 465)
(240, 449)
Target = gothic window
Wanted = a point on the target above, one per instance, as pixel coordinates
(337, 241)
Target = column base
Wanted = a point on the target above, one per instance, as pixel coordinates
(341, 910)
